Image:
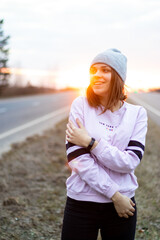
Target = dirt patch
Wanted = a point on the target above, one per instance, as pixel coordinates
(32, 186)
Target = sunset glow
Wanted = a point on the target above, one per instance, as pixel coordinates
(4, 70)
(78, 77)
(21, 76)
(67, 78)
(143, 80)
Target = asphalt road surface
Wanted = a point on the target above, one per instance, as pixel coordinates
(24, 116)
(150, 101)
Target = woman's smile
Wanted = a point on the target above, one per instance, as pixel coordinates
(99, 83)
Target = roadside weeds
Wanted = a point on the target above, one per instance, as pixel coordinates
(32, 185)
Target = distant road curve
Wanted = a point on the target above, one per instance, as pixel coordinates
(150, 101)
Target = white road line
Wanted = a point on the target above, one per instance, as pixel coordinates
(147, 106)
(34, 122)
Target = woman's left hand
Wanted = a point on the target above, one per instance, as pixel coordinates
(78, 136)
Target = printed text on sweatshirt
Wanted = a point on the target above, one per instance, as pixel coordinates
(109, 167)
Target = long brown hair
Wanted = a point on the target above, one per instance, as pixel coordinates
(115, 93)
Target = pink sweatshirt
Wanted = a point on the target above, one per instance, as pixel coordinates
(109, 167)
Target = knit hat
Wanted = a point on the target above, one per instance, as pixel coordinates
(115, 59)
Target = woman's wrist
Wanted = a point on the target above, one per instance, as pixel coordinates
(116, 197)
(87, 141)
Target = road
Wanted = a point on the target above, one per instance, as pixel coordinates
(24, 116)
(151, 102)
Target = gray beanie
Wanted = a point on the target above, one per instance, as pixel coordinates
(115, 59)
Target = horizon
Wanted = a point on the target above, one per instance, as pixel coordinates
(56, 79)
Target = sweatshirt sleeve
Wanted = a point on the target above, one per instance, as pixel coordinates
(84, 164)
(124, 161)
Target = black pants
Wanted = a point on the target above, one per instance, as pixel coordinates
(82, 220)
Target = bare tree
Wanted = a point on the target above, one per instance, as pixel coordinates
(4, 70)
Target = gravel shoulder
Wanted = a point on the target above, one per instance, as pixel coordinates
(32, 186)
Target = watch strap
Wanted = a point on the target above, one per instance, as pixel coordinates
(90, 144)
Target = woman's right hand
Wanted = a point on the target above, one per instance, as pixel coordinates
(123, 205)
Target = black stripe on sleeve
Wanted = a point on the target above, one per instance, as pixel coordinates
(69, 144)
(76, 153)
(136, 143)
(138, 153)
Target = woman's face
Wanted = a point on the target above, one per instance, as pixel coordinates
(100, 78)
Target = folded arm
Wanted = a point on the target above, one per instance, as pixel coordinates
(110, 156)
(124, 161)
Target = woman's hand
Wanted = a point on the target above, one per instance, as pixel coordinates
(78, 136)
(123, 205)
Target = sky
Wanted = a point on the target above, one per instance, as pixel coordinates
(52, 42)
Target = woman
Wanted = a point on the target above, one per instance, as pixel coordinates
(105, 140)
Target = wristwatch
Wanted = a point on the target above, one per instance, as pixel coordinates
(91, 144)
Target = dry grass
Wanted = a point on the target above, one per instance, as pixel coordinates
(32, 185)
(148, 193)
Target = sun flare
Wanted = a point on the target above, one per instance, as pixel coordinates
(78, 77)
(74, 77)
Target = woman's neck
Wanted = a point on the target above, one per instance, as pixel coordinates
(115, 107)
